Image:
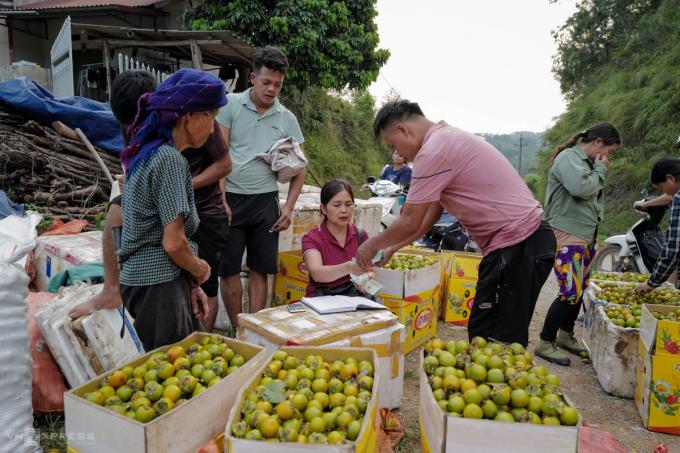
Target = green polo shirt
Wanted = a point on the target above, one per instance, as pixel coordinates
(574, 199)
(251, 134)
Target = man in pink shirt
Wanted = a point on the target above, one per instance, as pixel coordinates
(474, 182)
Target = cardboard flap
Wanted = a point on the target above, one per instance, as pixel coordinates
(310, 328)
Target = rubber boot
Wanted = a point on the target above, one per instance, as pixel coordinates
(547, 350)
(567, 341)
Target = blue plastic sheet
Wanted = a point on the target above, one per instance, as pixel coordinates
(8, 207)
(94, 118)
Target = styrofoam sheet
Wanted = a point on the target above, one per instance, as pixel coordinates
(102, 331)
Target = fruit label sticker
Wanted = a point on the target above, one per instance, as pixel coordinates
(423, 319)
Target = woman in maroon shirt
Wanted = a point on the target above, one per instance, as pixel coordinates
(329, 249)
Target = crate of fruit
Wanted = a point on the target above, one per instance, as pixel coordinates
(611, 336)
(627, 277)
(173, 399)
(412, 291)
(623, 293)
(308, 399)
(468, 390)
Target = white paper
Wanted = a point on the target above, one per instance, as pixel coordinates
(340, 304)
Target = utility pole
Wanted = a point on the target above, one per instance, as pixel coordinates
(520, 146)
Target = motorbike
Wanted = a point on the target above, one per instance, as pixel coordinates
(390, 196)
(448, 234)
(638, 249)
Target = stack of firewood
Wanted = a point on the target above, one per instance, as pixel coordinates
(54, 172)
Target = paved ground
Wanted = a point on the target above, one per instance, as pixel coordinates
(616, 415)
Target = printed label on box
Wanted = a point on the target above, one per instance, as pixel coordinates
(657, 392)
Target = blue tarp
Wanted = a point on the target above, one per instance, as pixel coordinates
(94, 118)
(8, 207)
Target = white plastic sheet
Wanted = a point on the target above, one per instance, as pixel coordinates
(17, 238)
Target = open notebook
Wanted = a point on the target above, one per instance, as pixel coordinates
(340, 304)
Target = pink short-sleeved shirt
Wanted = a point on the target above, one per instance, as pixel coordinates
(475, 183)
(332, 252)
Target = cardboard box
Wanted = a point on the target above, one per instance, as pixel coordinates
(365, 443)
(441, 433)
(291, 279)
(378, 330)
(613, 351)
(445, 259)
(461, 288)
(660, 335)
(92, 428)
(657, 390)
(54, 254)
(412, 296)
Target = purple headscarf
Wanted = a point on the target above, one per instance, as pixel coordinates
(186, 91)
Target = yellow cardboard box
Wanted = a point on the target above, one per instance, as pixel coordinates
(660, 335)
(413, 296)
(292, 265)
(657, 390)
(291, 279)
(461, 290)
(445, 259)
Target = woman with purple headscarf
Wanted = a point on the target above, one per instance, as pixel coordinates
(160, 272)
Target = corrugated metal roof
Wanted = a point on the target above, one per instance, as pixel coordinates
(60, 4)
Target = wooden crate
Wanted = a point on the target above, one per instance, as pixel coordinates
(92, 428)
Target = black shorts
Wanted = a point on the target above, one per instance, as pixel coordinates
(211, 237)
(252, 219)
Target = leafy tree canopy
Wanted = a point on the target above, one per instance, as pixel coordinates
(586, 40)
(330, 44)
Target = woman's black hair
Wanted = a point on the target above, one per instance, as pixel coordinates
(663, 167)
(334, 187)
(605, 131)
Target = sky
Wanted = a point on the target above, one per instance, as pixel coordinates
(481, 65)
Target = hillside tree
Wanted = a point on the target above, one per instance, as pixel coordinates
(330, 44)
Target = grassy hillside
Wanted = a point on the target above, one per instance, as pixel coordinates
(508, 144)
(339, 141)
(637, 88)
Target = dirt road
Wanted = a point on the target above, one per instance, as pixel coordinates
(616, 415)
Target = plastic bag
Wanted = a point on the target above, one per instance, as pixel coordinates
(591, 440)
(17, 238)
(285, 158)
(48, 382)
(59, 228)
(390, 433)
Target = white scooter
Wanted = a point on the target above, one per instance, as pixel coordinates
(638, 249)
(388, 194)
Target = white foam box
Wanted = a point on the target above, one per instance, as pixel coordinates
(613, 351)
(91, 345)
(441, 433)
(378, 330)
(307, 215)
(183, 429)
(54, 254)
(365, 443)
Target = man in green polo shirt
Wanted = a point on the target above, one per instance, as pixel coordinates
(251, 123)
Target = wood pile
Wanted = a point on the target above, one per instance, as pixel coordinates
(56, 173)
